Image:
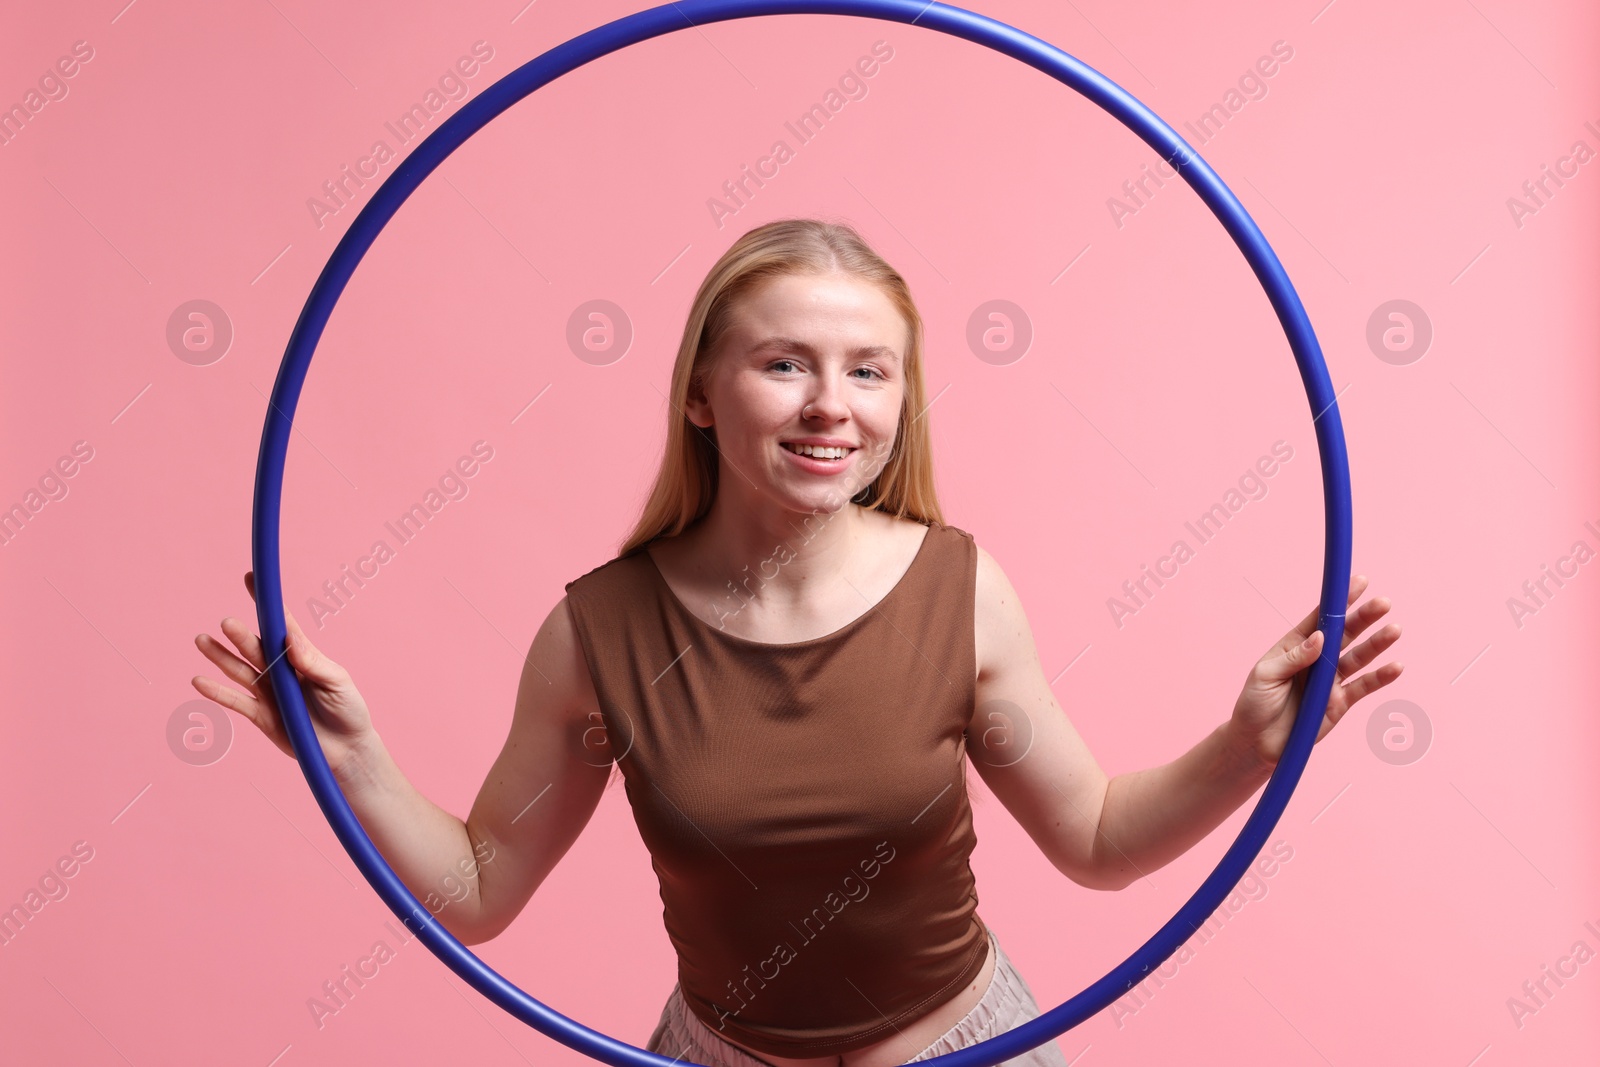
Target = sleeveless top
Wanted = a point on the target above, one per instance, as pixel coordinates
(804, 805)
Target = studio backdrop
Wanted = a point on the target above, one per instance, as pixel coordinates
(488, 406)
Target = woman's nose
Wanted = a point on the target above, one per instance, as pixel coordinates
(827, 402)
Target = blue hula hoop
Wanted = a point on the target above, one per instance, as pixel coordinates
(613, 36)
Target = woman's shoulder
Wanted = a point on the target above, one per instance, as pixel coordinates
(953, 535)
(907, 524)
(609, 575)
(954, 531)
(941, 543)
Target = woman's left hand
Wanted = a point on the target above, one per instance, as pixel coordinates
(1265, 711)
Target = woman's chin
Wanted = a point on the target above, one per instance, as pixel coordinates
(820, 500)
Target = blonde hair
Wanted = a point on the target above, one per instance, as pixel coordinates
(686, 484)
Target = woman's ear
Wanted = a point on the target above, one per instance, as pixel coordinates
(696, 406)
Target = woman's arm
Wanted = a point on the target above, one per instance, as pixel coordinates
(1151, 817)
(547, 781)
(476, 875)
(473, 875)
(1105, 833)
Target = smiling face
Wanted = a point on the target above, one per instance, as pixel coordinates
(807, 360)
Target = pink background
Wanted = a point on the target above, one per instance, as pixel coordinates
(1419, 896)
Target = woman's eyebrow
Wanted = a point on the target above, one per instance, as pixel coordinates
(791, 344)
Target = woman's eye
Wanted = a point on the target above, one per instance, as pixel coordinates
(784, 365)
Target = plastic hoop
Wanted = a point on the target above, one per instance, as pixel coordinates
(655, 22)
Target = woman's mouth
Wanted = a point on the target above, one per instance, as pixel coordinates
(821, 459)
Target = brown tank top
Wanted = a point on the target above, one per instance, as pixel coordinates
(804, 805)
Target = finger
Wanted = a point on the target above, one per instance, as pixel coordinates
(248, 644)
(1371, 682)
(235, 668)
(242, 703)
(1338, 706)
(292, 626)
(1329, 721)
(1288, 663)
(1369, 650)
(259, 714)
(250, 649)
(310, 662)
(1364, 616)
(1358, 583)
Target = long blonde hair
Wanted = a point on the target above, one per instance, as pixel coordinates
(686, 484)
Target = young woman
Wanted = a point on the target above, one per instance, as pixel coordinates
(789, 661)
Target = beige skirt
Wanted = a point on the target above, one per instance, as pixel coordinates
(1006, 1004)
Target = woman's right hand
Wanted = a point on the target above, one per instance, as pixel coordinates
(338, 713)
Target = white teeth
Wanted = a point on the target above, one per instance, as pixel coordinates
(818, 451)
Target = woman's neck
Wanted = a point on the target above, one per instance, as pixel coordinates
(792, 552)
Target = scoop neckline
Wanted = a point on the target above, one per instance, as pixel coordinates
(661, 579)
